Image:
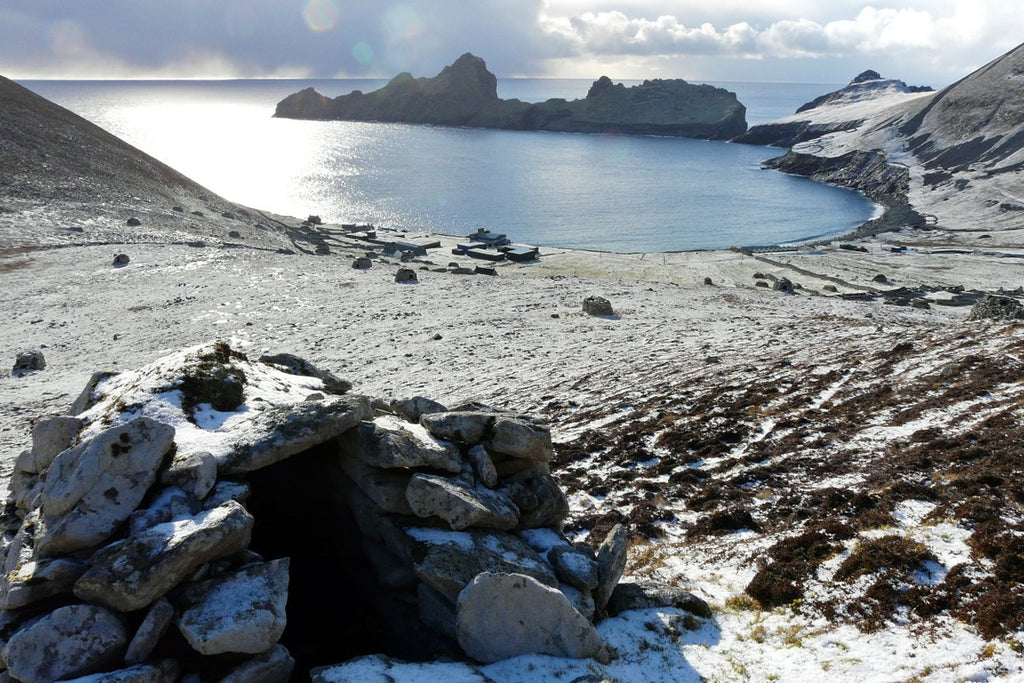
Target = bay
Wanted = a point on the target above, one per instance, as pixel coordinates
(604, 192)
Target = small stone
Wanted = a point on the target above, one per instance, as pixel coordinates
(133, 222)
(130, 574)
(483, 466)
(830, 288)
(121, 260)
(649, 594)
(150, 631)
(273, 666)
(49, 438)
(194, 473)
(521, 438)
(880, 279)
(362, 263)
(575, 565)
(93, 488)
(458, 425)
(708, 281)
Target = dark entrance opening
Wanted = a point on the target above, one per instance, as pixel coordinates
(333, 597)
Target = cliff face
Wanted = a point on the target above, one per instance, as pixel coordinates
(961, 149)
(465, 94)
(815, 118)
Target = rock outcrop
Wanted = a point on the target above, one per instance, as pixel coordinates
(465, 94)
(159, 534)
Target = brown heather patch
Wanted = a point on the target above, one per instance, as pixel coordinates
(813, 482)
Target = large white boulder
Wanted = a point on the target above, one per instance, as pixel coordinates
(241, 612)
(90, 490)
(499, 616)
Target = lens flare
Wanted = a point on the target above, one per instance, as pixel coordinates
(321, 15)
(362, 52)
(403, 23)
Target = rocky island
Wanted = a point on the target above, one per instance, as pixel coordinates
(466, 94)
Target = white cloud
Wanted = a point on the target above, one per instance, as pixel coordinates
(871, 31)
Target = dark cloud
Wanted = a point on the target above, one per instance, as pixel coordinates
(256, 37)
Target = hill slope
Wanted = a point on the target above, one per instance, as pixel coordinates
(66, 178)
(961, 150)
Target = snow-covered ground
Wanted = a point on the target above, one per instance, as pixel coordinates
(690, 401)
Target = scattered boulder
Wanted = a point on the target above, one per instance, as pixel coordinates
(783, 285)
(68, 642)
(234, 234)
(314, 220)
(830, 288)
(133, 222)
(611, 563)
(28, 361)
(708, 282)
(921, 304)
(880, 279)
(362, 263)
(535, 619)
(597, 305)
(406, 275)
(121, 260)
(650, 594)
(994, 307)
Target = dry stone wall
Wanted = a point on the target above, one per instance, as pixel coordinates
(130, 547)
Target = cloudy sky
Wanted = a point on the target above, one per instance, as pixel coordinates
(930, 42)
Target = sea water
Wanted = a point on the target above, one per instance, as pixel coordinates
(607, 192)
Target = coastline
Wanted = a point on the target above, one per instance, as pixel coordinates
(821, 382)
